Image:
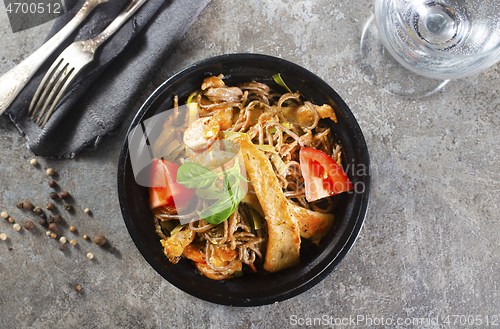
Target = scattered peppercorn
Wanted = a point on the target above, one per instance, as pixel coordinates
(27, 205)
(4, 215)
(67, 206)
(72, 242)
(43, 216)
(53, 227)
(19, 205)
(85, 236)
(37, 210)
(42, 221)
(54, 195)
(53, 235)
(29, 225)
(112, 250)
(52, 183)
(50, 172)
(63, 194)
(90, 255)
(63, 240)
(50, 206)
(57, 218)
(99, 240)
(63, 247)
(87, 211)
(3, 236)
(72, 229)
(78, 287)
(16, 227)
(33, 162)
(11, 220)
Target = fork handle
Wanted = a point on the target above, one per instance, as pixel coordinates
(12, 82)
(92, 44)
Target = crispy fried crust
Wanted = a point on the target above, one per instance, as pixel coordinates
(283, 247)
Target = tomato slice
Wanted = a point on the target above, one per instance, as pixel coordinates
(323, 177)
(164, 190)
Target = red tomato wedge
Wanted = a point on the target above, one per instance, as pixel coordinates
(323, 177)
(164, 190)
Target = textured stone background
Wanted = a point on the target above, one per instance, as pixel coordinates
(430, 243)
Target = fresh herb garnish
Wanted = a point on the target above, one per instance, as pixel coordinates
(277, 78)
(194, 175)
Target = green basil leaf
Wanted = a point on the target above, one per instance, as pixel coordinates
(194, 175)
(210, 193)
(224, 207)
(219, 211)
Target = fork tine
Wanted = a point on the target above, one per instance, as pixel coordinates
(69, 80)
(36, 100)
(61, 76)
(54, 78)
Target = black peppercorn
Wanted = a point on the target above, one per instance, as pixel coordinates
(53, 195)
(50, 206)
(42, 221)
(67, 206)
(29, 225)
(53, 227)
(52, 183)
(63, 194)
(19, 205)
(57, 218)
(63, 247)
(37, 210)
(112, 250)
(27, 205)
(43, 216)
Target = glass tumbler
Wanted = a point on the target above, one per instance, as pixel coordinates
(430, 41)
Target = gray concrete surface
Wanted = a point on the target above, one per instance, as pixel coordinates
(429, 248)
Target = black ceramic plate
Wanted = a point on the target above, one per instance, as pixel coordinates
(317, 262)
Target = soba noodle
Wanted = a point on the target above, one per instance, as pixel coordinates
(273, 121)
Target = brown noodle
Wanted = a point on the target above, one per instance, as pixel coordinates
(273, 128)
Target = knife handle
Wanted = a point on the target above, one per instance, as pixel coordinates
(12, 82)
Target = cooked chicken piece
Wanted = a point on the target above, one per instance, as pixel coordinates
(202, 133)
(195, 252)
(221, 152)
(326, 111)
(174, 245)
(212, 82)
(312, 224)
(301, 114)
(283, 247)
(225, 118)
(221, 257)
(224, 94)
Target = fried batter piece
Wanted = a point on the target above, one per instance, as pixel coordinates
(283, 247)
(173, 246)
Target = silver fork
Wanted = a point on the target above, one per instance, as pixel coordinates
(68, 65)
(12, 82)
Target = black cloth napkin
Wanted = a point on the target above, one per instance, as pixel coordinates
(105, 91)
